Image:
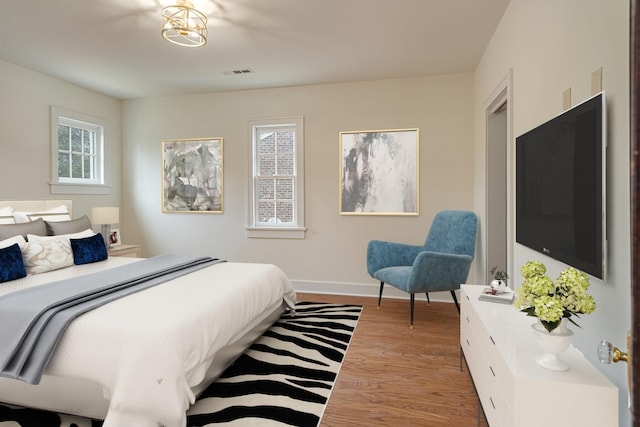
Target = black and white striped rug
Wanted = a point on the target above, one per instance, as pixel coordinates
(285, 378)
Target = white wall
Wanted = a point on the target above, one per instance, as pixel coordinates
(25, 141)
(553, 45)
(333, 254)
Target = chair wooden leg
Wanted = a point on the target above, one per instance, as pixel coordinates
(380, 296)
(413, 303)
(455, 300)
(428, 300)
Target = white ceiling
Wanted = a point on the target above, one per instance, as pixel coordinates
(115, 47)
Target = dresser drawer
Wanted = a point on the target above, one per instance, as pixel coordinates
(493, 344)
(500, 403)
(472, 337)
(500, 376)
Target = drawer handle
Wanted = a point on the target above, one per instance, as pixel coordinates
(467, 340)
(491, 338)
(492, 404)
(491, 368)
(467, 297)
(468, 321)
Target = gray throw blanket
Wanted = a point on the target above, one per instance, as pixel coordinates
(33, 320)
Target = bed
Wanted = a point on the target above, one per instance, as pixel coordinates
(143, 359)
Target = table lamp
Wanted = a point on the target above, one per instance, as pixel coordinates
(105, 216)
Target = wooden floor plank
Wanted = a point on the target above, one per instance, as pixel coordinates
(396, 376)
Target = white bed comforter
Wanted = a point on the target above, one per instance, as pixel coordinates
(149, 349)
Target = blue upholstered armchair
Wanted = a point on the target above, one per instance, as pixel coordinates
(441, 264)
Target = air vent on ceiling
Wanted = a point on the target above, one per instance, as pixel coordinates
(238, 72)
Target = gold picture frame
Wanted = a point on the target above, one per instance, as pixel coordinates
(193, 173)
(379, 172)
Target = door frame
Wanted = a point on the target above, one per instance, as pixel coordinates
(634, 62)
(502, 94)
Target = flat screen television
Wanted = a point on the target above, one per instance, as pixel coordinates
(561, 190)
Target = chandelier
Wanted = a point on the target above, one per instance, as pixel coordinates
(184, 25)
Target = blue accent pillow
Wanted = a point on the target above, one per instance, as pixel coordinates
(11, 264)
(88, 250)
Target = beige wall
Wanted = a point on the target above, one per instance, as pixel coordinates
(332, 257)
(26, 98)
(551, 46)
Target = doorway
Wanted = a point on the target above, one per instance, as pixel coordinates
(498, 236)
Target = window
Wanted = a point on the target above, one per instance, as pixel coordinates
(277, 182)
(77, 163)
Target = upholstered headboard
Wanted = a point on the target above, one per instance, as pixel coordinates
(49, 208)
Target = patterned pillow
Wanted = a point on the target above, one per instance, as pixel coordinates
(40, 257)
(88, 250)
(11, 265)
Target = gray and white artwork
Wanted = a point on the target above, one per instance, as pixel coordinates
(192, 175)
(379, 172)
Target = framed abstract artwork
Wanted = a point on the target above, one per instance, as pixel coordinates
(192, 175)
(379, 172)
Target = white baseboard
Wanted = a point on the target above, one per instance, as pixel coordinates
(364, 290)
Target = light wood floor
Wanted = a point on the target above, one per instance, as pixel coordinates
(395, 376)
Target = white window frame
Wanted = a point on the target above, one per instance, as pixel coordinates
(66, 185)
(297, 230)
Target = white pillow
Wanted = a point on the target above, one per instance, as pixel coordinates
(80, 235)
(13, 240)
(59, 213)
(6, 215)
(46, 256)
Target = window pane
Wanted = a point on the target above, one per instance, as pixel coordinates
(76, 166)
(87, 167)
(285, 164)
(284, 189)
(267, 142)
(285, 142)
(267, 165)
(284, 211)
(87, 141)
(266, 189)
(76, 139)
(266, 211)
(63, 138)
(63, 165)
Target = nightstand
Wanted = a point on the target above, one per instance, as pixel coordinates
(125, 250)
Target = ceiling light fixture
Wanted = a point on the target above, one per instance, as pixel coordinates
(184, 25)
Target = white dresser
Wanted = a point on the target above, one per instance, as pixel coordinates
(500, 351)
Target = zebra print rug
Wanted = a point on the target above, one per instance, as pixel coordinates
(284, 378)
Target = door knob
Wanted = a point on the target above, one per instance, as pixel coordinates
(607, 353)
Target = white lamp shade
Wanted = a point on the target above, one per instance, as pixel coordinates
(105, 215)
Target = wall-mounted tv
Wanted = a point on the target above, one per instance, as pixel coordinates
(561, 190)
